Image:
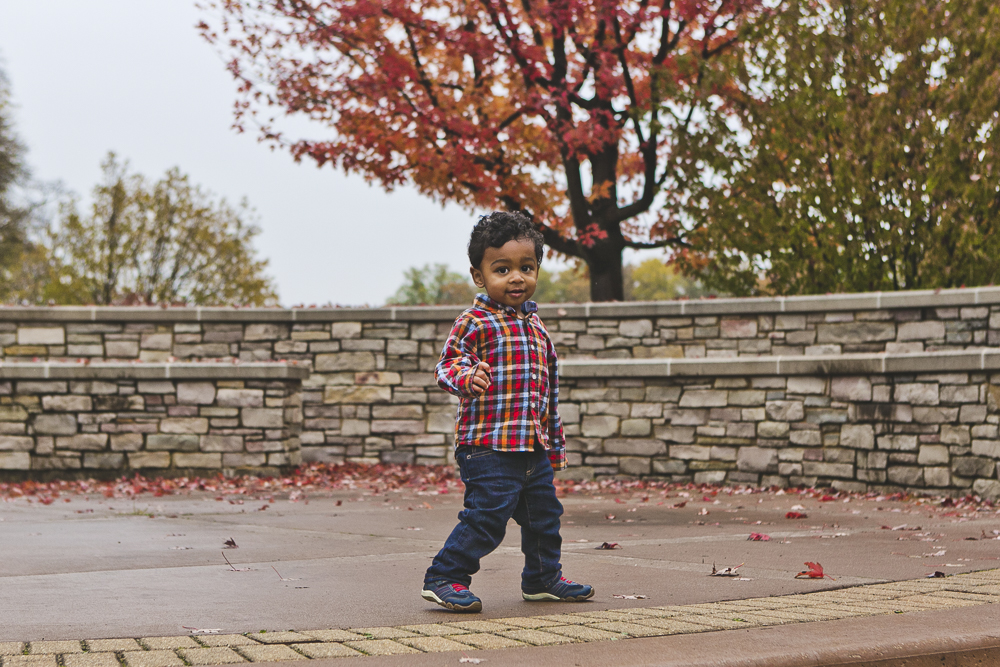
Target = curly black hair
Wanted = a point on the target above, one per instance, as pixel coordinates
(497, 228)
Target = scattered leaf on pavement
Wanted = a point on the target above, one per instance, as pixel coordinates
(608, 545)
(796, 515)
(231, 544)
(726, 571)
(815, 571)
(758, 537)
(631, 597)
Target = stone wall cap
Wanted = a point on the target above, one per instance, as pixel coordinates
(949, 298)
(984, 359)
(57, 370)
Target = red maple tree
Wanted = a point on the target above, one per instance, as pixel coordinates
(588, 115)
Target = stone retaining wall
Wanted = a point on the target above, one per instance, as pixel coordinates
(104, 419)
(855, 422)
(372, 397)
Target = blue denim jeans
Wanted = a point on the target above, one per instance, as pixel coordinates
(500, 486)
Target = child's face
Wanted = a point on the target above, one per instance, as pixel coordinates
(508, 273)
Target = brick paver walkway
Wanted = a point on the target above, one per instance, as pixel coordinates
(466, 633)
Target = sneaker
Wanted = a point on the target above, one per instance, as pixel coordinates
(451, 596)
(563, 590)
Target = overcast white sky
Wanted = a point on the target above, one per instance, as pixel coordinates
(133, 76)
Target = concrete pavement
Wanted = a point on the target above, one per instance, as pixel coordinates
(153, 568)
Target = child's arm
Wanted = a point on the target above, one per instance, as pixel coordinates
(557, 439)
(459, 371)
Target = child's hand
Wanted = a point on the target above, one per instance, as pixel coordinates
(481, 379)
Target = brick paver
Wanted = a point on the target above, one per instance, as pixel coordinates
(157, 658)
(90, 660)
(211, 656)
(113, 645)
(272, 653)
(55, 647)
(154, 643)
(326, 650)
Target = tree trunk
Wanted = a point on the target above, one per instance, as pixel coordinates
(604, 263)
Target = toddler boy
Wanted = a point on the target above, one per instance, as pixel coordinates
(501, 363)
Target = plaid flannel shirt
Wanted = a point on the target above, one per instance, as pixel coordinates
(520, 407)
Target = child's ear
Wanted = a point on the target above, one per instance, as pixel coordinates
(477, 277)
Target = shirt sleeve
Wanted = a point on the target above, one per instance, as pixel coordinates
(457, 365)
(557, 439)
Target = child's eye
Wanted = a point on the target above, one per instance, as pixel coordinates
(527, 268)
(502, 270)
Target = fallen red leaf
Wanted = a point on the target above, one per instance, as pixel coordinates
(815, 571)
(758, 537)
(796, 515)
(608, 545)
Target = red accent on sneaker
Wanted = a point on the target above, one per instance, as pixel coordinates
(459, 588)
(565, 579)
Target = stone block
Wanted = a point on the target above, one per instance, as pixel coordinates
(55, 424)
(826, 469)
(15, 461)
(855, 332)
(663, 394)
(927, 330)
(905, 475)
(221, 443)
(67, 403)
(636, 328)
(197, 393)
(972, 414)
(156, 387)
(851, 389)
(126, 442)
(897, 442)
(954, 435)
(345, 361)
(198, 460)
(634, 447)
(83, 441)
(710, 477)
(262, 417)
(678, 434)
(263, 332)
(932, 455)
(406, 411)
(634, 465)
(636, 427)
(122, 349)
(937, 477)
(730, 328)
(972, 466)
(137, 460)
(240, 398)
(960, 394)
(917, 393)
(104, 460)
(39, 387)
(741, 430)
(599, 426)
(748, 397)
(41, 336)
(757, 459)
(789, 322)
(342, 330)
(806, 437)
(386, 378)
(704, 398)
(989, 448)
(16, 413)
(806, 385)
(690, 452)
(934, 415)
(988, 489)
(668, 467)
(857, 436)
(785, 411)
(184, 425)
(355, 394)
(768, 429)
(16, 443)
(159, 442)
(397, 426)
(156, 341)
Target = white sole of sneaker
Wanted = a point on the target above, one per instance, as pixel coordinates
(539, 597)
(431, 597)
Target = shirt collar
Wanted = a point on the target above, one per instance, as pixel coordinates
(484, 301)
